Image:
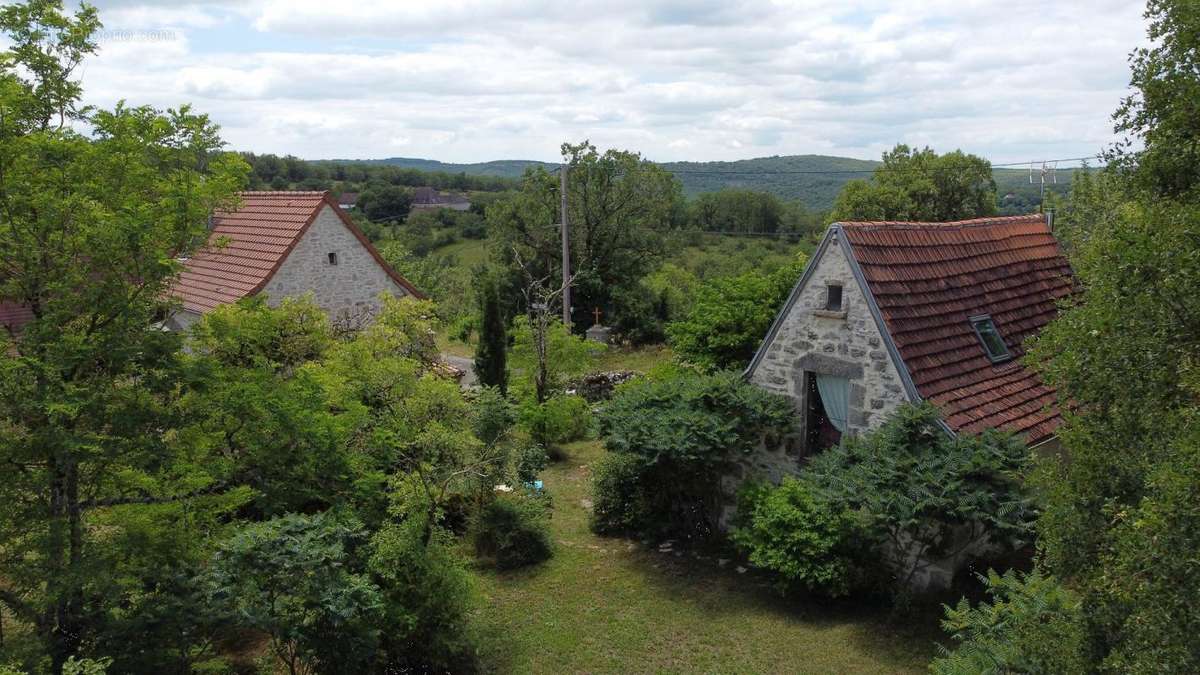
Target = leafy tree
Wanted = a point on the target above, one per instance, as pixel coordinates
(90, 234)
(921, 185)
(736, 210)
(294, 579)
(491, 353)
(1160, 121)
(927, 496)
(541, 367)
(385, 203)
(729, 317)
(619, 205)
(1119, 526)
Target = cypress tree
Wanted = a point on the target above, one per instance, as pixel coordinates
(491, 352)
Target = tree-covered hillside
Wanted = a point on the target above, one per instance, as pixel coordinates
(815, 180)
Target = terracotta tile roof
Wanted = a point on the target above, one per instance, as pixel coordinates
(257, 238)
(13, 316)
(427, 196)
(928, 278)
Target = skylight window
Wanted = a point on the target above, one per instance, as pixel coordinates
(989, 337)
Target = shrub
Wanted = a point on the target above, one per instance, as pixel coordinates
(561, 419)
(925, 495)
(1032, 625)
(427, 595)
(685, 430)
(808, 543)
(512, 531)
(292, 578)
(618, 506)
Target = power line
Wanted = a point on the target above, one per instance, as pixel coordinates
(787, 172)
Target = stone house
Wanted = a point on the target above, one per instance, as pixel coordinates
(888, 312)
(286, 244)
(427, 198)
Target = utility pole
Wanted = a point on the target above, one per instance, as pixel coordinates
(566, 247)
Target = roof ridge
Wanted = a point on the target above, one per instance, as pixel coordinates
(914, 224)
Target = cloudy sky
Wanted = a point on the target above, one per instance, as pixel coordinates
(465, 80)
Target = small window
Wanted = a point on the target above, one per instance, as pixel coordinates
(333, 258)
(833, 299)
(990, 338)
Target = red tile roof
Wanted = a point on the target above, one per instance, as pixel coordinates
(928, 278)
(258, 237)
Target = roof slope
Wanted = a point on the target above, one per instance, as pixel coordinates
(248, 245)
(928, 278)
(14, 316)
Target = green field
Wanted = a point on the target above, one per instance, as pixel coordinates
(607, 605)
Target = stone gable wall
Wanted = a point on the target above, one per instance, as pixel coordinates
(846, 344)
(349, 290)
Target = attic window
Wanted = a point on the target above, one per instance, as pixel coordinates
(333, 258)
(833, 298)
(989, 337)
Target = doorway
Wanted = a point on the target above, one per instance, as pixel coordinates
(824, 419)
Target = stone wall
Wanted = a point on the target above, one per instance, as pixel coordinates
(845, 344)
(349, 290)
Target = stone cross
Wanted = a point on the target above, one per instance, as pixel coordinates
(596, 313)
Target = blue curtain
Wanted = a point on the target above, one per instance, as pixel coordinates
(835, 394)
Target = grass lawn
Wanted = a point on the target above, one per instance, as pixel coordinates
(638, 359)
(470, 252)
(613, 605)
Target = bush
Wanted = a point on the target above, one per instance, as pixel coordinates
(618, 506)
(685, 430)
(294, 578)
(809, 544)
(427, 595)
(512, 531)
(561, 419)
(1032, 625)
(926, 495)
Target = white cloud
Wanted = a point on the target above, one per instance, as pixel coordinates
(467, 80)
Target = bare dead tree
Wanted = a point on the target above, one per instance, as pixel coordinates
(539, 298)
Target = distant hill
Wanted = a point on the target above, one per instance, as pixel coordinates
(815, 180)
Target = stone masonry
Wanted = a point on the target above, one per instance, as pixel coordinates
(845, 344)
(348, 290)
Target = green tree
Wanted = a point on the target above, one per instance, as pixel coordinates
(737, 210)
(619, 206)
(729, 317)
(491, 353)
(1160, 121)
(385, 203)
(920, 185)
(91, 228)
(1120, 526)
(542, 365)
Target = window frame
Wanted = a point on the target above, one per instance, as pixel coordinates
(986, 320)
(332, 258)
(841, 297)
